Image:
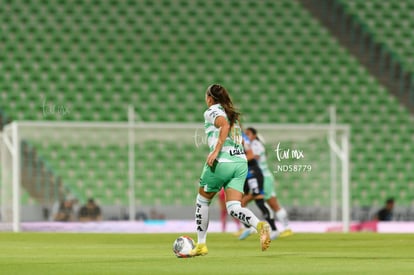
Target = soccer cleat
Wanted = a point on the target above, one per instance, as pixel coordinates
(199, 250)
(274, 235)
(238, 232)
(286, 233)
(247, 232)
(264, 230)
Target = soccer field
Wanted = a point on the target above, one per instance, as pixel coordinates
(47, 253)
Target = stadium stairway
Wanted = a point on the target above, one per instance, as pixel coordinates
(369, 30)
(38, 180)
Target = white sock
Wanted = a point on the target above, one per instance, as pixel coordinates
(246, 216)
(283, 218)
(202, 218)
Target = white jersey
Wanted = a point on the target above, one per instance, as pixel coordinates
(259, 150)
(232, 150)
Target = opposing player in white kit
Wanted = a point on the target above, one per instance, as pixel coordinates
(269, 189)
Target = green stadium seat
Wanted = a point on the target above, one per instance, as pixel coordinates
(280, 64)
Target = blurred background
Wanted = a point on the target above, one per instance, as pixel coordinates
(283, 62)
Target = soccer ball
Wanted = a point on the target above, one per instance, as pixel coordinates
(182, 246)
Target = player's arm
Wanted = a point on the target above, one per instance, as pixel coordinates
(221, 123)
(248, 151)
(249, 154)
(255, 150)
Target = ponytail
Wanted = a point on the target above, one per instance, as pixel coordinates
(221, 96)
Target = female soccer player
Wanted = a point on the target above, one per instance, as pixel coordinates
(254, 190)
(269, 189)
(226, 166)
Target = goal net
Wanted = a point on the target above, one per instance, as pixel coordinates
(151, 170)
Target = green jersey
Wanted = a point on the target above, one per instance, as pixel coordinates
(232, 150)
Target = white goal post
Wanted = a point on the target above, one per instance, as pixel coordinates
(322, 146)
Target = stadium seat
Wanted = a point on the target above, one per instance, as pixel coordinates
(279, 63)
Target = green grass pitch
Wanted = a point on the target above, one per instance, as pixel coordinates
(49, 253)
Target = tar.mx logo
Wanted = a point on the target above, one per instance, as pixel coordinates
(200, 137)
(288, 153)
(49, 108)
(291, 155)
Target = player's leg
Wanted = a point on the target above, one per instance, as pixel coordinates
(234, 194)
(271, 200)
(223, 215)
(239, 227)
(282, 216)
(210, 184)
(246, 199)
(223, 210)
(253, 188)
(202, 213)
(268, 216)
(256, 187)
(247, 217)
(266, 211)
